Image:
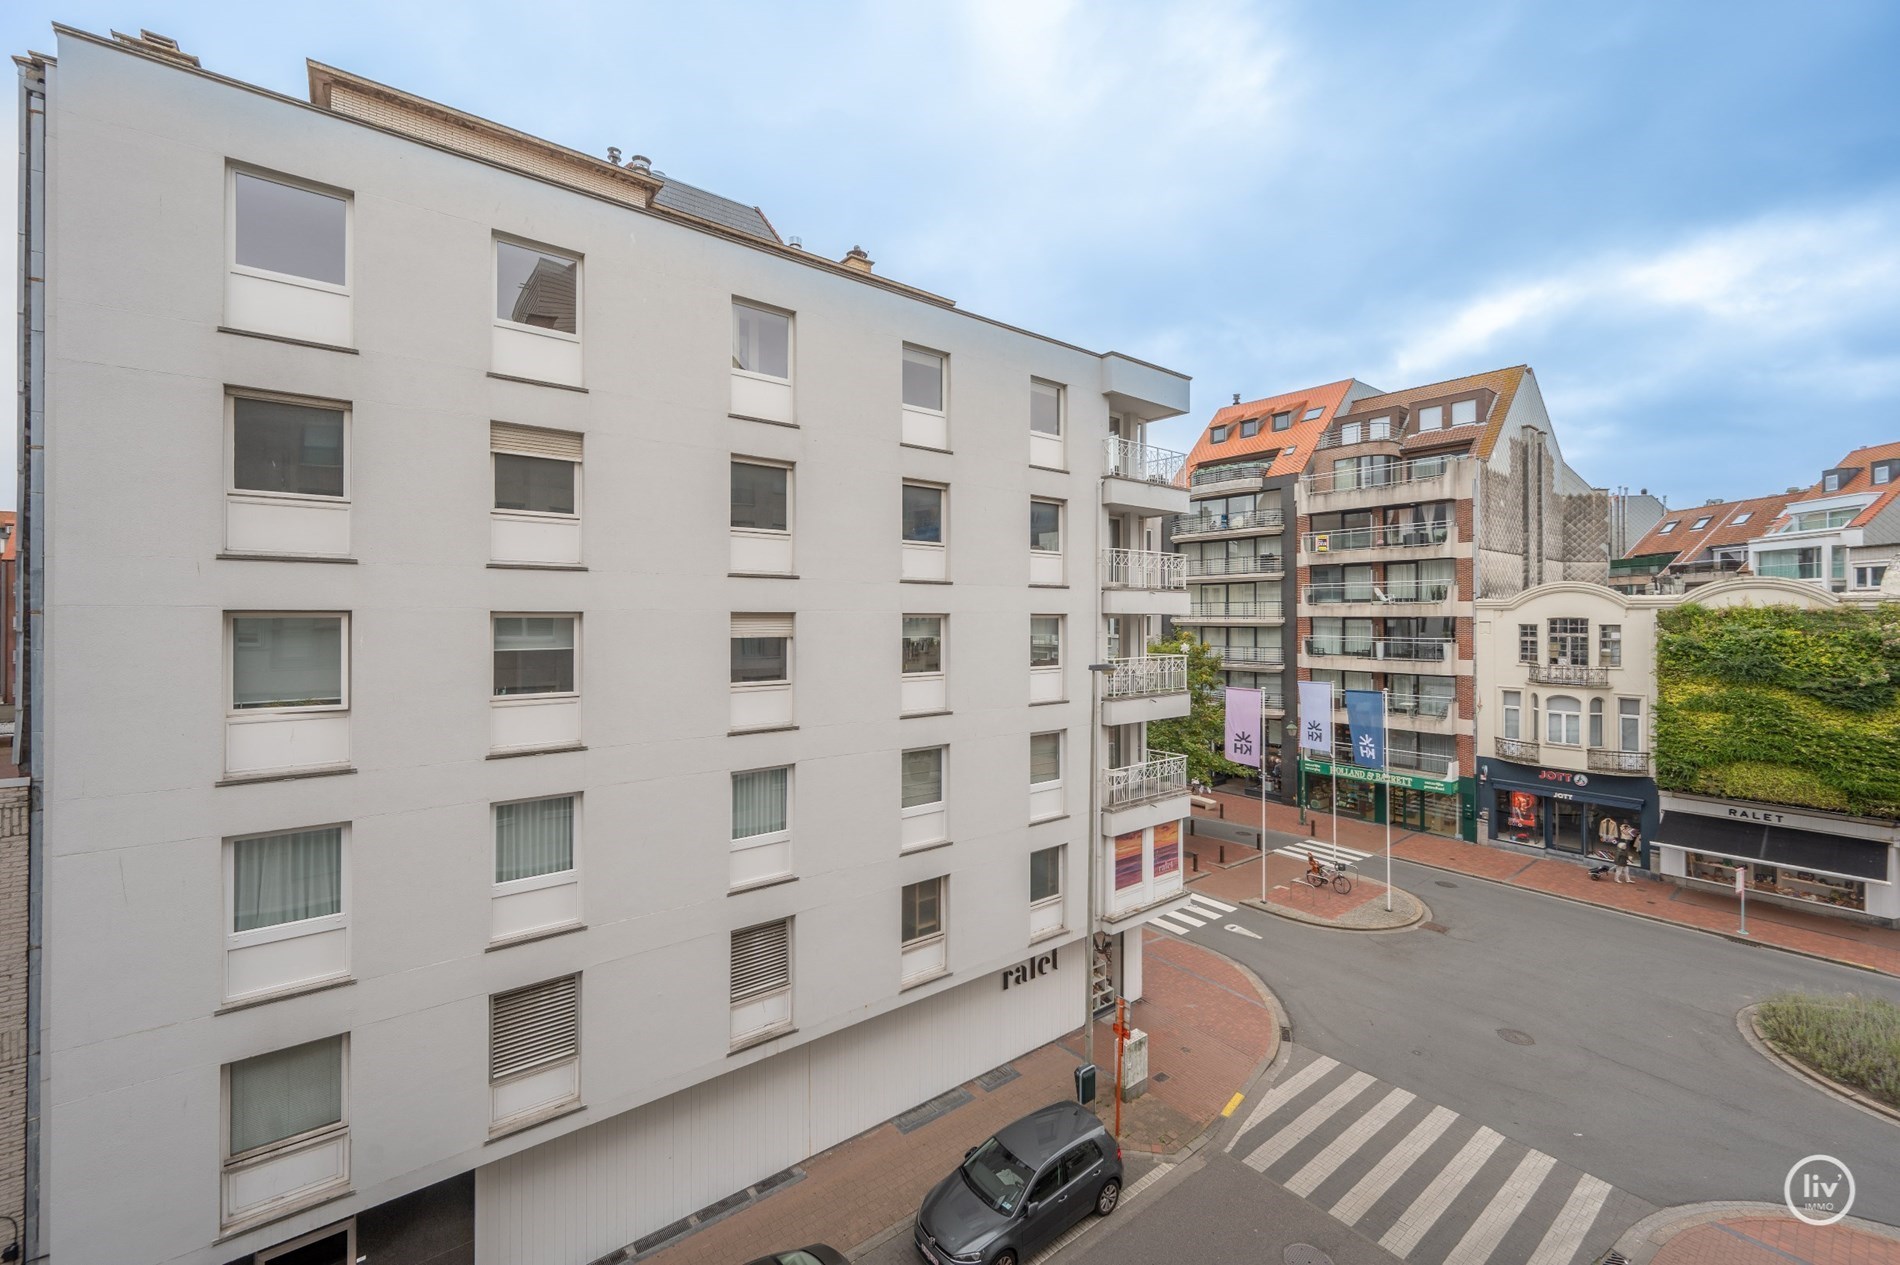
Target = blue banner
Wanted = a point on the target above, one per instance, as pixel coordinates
(1365, 716)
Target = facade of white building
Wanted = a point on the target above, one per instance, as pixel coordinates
(525, 678)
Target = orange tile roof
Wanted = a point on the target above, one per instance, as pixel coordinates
(1503, 383)
(1689, 545)
(9, 521)
(1861, 481)
(1301, 436)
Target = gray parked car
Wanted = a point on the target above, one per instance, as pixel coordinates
(1021, 1189)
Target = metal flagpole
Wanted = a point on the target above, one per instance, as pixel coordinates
(1263, 796)
(1385, 719)
(1333, 764)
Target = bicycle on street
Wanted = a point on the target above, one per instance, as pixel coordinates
(1338, 877)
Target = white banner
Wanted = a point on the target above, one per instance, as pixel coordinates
(1316, 716)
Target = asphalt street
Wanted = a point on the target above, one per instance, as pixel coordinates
(1634, 1071)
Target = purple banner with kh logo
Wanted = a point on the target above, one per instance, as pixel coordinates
(1243, 726)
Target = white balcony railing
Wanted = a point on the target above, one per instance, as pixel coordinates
(1263, 564)
(1605, 760)
(1410, 649)
(1393, 593)
(1239, 520)
(1383, 475)
(1236, 610)
(1158, 777)
(1128, 459)
(1146, 676)
(1390, 536)
(1144, 569)
(1251, 656)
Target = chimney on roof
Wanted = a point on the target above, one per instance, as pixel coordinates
(796, 243)
(1236, 397)
(1714, 500)
(613, 154)
(159, 45)
(640, 162)
(857, 260)
(1792, 491)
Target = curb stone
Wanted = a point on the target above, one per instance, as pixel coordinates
(1421, 913)
(1746, 1019)
(1642, 1241)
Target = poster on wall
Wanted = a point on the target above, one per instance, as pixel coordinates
(1127, 860)
(1167, 848)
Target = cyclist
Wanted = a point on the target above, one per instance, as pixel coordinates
(1315, 872)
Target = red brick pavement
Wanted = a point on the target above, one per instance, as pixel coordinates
(1776, 1241)
(1208, 1027)
(1817, 934)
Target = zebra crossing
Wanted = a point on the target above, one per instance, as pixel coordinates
(1426, 1184)
(1323, 850)
(1200, 910)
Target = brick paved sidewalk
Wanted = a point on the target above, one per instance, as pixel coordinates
(1776, 1240)
(1818, 935)
(1209, 1031)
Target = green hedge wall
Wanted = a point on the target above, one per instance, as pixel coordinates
(1781, 704)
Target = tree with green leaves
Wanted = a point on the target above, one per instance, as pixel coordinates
(1201, 734)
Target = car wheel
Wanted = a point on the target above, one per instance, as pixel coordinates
(1007, 1258)
(1110, 1196)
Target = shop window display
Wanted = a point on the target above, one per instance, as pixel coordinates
(1520, 818)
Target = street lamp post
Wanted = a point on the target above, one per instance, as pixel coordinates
(1095, 843)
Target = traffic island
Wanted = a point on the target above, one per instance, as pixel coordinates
(1361, 909)
(1749, 1020)
(1753, 1234)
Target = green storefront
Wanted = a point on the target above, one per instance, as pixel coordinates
(1410, 801)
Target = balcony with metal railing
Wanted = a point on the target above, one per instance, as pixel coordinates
(1406, 649)
(1517, 749)
(1346, 434)
(1147, 569)
(1140, 479)
(1234, 476)
(1248, 657)
(1569, 674)
(1389, 536)
(1161, 776)
(1266, 566)
(1419, 478)
(1145, 676)
(1366, 593)
(1605, 760)
(1255, 612)
(1205, 524)
(1403, 760)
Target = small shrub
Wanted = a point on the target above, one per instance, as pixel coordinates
(1854, 1040)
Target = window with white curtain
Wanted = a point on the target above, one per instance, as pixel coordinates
(287, 661)
(1563, 718)
(1045, 758)
(534, 837)
(761, 802)
(286, 878)
(1514, 714)
(761, 341)
(284, 1095)
(534, 654)
(923, 777)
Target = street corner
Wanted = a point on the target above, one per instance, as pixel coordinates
(1364, 908)
(1759, 1234)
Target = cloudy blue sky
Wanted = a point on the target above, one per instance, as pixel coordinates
(1686, 217)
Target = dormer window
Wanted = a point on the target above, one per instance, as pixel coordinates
(1218, 435)
(1282, 421)
(1883, 472)
(1464, 413)
(1830, 483)
(1432, 418)
(1250, 428)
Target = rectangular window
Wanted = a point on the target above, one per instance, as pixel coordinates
(287, 661)
(761, 803)
(923, 514)
(287, 449)
(1045, 407)
(1432, 418)
(1527, 643)
(1743, 517)
(761, 979)
(533, 838)
(534, 654)
(1218, 435)
(1513, 714)
(1250, 428)
(761, 341)
(923, 910)
(286, 878)
(1610, 645)
(1831, 483)
(923, 777)
(291, 230)
(761, 649)
(536, 471)
(1282, 421)
(284, 1095)
(1596, 722)
(537, 288)
(1045, 758)
(923, 644)
(1464, 412)
(1045, 526)
(1870, 577)
(1563, 717)
(1045, 875)
(1883, 473)
(1629, 724)
(1045, 641)
(534, 1049)
(1570, 642)
(923, 379)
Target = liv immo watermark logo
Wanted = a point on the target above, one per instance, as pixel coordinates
(1819, 1190)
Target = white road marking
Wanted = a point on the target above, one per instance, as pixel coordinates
(1081, 1227)
(1161, 921)
(1307, 1121)
(1502, 1212)
(1358, 1201)
(1203, 898)
(1323, 1165)
(1188, 916)
(1324, 851)
(1436, 1197)
(1567, 1231)
(1284, 1093)
(1239, 930)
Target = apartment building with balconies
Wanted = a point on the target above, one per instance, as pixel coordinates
(533, 859)
(1242, 475)
(1842, 533)
(1413, 505)
(1686, 549)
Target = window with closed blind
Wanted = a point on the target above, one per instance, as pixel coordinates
(761, 981)
(761, 649)
(537, 471)
(534, 1028)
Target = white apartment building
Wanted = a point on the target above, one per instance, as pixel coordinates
(1842, 533)
(542, 709)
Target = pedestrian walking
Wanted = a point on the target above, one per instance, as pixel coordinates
(1623, 864)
